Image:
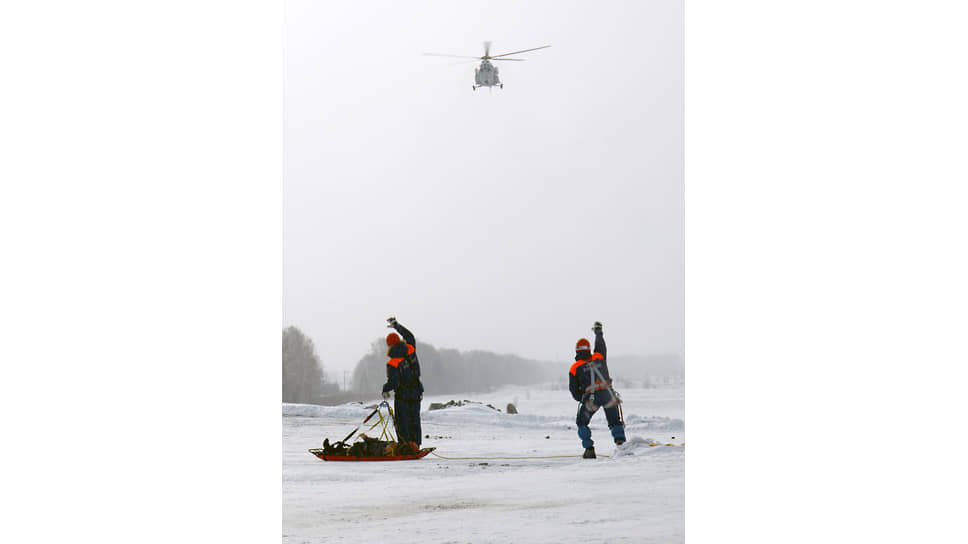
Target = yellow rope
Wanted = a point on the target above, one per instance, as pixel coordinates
(386, 427)
(386, 434)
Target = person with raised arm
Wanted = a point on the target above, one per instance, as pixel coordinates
(403, 377)
(590, 384)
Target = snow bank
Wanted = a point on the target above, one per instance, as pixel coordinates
(653, 423)
(342, 411)
(473, 413)
(482, 415)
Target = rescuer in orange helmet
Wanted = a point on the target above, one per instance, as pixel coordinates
(591, 385)
(403, 377)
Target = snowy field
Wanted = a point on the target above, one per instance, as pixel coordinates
(637, 494)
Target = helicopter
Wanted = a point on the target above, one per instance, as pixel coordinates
(485, 75)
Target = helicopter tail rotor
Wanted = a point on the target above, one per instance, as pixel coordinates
(487, 50)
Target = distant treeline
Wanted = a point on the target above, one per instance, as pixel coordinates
(451, 371)
(446, 371)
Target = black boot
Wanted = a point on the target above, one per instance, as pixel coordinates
(589, 453)
(619, 441)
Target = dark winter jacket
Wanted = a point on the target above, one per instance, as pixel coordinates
(403, 368)
(580, 377)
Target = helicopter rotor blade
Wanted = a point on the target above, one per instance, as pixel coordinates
(509, 59)
(521, 51)
(455, 56)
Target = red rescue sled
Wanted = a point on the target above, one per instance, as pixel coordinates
(318, 452)
(371, 449)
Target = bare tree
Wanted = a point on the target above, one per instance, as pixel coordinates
(302, 372)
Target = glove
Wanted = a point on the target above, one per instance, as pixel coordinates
(597, 327)
(386, 395)
(392, 321)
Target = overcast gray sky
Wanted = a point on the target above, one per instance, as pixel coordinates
(506, 219)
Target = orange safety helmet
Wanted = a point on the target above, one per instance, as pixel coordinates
(582, 345)
(393, 339)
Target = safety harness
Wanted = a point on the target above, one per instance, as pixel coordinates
(599, 383)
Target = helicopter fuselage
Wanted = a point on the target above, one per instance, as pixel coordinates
(485, 75)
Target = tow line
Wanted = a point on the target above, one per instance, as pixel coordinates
(539, 456)
(531, 457)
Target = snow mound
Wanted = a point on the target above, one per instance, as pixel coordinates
(654, 423)
(637, 445)
(480, 414)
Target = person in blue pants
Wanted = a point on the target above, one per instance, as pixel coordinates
(403, 377)
(590, 384)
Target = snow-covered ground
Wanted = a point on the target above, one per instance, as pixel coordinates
(637, 494)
